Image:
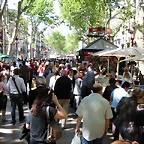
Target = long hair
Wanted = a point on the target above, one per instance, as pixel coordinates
(44, 97)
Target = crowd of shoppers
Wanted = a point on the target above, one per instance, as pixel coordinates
(63, 83)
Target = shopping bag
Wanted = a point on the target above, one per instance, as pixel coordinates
(76, 139)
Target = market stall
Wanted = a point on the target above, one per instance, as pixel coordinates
(86, 53)
(121, 53)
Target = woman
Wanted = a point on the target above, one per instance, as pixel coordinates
(127, 76)
(37, 120)
(41, 69)
(54, 78)
(3, 96)
(130, 119)
(47, 71)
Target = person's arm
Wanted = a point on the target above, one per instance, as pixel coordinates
(79, 119)
(61, 114)
(108, 116)
(28, 121)
(27, 126)
(50, 83)
(111, 99)
(8, 86)
(107, 123)
(23, 87)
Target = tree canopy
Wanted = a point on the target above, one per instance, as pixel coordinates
(62, 44)
(56, 41)
(83, 14)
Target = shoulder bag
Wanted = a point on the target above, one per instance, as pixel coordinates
(17, 97)
(53, 129)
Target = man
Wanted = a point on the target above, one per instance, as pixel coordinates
(116, 95)
(109, 89)
(62, 90)
(40, 83)
(16, 95)
(87, 84)
(96, 114)
(24, 72)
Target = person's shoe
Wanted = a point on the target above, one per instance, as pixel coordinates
(13, 122)
(4, 120)
(22, 119)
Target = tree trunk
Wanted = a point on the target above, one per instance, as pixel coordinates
(3, 6)
(9, 47)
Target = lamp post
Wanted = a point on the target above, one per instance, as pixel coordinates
(16, 39)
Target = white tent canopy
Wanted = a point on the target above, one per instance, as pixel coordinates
(136, 58)
(121, 52)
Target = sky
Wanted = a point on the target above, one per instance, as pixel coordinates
(63, 28)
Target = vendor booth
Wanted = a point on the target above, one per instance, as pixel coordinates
(85, 54)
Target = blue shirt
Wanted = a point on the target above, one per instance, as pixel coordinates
(117, 94)
(89, 79)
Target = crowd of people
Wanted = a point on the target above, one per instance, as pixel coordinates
(61, 83)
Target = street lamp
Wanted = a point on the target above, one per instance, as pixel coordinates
(16, 39)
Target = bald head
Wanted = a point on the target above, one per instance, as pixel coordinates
(97, 88)
(63, 73)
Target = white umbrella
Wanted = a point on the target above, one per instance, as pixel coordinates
(137, 58)
(121, 52)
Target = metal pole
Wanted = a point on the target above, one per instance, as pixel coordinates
(16, 47)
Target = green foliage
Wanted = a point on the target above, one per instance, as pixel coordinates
(56, 41)
(71, 43)
(83, 14)
(61, 43)
(41, 11)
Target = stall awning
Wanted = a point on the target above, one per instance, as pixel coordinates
(121, 52)
(100, 44)
(137, 58)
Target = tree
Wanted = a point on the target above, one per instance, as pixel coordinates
(22, 6)
(3, 6)
(82, 14)
(41, 12)
(56, 41)
(71, 43)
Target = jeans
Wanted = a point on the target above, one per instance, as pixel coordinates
(13, 108)
(96, 141)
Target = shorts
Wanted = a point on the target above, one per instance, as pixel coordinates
(3, 102)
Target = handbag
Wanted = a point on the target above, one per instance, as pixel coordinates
(17, 97)
(53, 129)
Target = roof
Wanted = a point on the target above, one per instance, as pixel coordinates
(101, 44)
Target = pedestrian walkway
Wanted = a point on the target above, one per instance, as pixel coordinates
(9, 134)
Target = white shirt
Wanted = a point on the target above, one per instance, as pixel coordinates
(11, 70)
(94, 110)
(53, 81)
(20, 84)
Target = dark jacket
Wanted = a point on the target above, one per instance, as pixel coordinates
(33, 94)
(62, 87)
